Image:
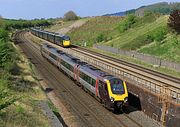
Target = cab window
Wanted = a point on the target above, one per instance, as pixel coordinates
(117, 86)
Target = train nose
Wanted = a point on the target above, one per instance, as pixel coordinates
(66, 43)
(120, 103)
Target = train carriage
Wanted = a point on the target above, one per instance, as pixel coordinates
(111, 91)
(61, 40)
(51, 37)
(45, 35)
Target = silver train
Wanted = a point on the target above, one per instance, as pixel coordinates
(111, 91)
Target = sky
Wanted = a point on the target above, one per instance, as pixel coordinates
(31, 9)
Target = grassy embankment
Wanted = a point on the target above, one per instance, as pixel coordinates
(95, 29)
(59, 25)
(62, 24)
(149, 34)
(19, 89)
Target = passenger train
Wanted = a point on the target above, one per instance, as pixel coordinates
(63, 41)
(111, 91)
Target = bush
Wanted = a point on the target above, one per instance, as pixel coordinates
(158, 34)
(3, 34)
(6, 96)
(127, 23)
(7, 54)
(101, 37)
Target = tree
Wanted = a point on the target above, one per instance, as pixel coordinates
(70, 16)
(174, 20)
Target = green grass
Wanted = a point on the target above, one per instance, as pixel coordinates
(144, 36)
(19, 88)
(168, 49)
(129, 37)
(93, 28)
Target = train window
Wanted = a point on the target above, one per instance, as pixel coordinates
(66, 38)
(89, 81)
(101, 83)
(66, 65)
(82, 75)
(86, 78)
(93, 82)
(117, 86)
(53, 56)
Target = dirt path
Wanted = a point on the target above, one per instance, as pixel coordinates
(74, 25)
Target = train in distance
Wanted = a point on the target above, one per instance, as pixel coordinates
(61, 40)
(108, 89)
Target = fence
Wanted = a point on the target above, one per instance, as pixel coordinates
(143, 57)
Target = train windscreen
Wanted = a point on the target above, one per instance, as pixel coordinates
(117, 86)
(66, 37)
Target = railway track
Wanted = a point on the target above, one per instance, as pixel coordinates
(88, 111)
(146, 70)
(65, 90)
(151, 80)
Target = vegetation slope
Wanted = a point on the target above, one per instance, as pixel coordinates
(19, 92)
(148, 34)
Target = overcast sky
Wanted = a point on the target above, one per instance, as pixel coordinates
(30, 9)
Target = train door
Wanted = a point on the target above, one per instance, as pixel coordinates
(103, 93)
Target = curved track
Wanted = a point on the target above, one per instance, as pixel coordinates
(85, 108)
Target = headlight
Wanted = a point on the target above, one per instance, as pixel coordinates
(125, 99)
(112, 99)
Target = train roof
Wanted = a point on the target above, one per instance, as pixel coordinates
(97, 72)
(64, 55)
(83, 65)
(52, 33)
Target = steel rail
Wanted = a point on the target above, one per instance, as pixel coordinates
(161, 84)
(124, 125)
(79, 101)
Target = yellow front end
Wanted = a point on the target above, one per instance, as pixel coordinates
(66, 43)
(116, 97)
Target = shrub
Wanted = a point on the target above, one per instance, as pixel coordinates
(7, 54)
(3, 34)
(158, 34)
(6, 96)
(127, 23)
(101, 37)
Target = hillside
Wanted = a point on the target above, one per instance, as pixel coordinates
(148, 34)
(162, 8)
(128, 40)
(95, 28)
